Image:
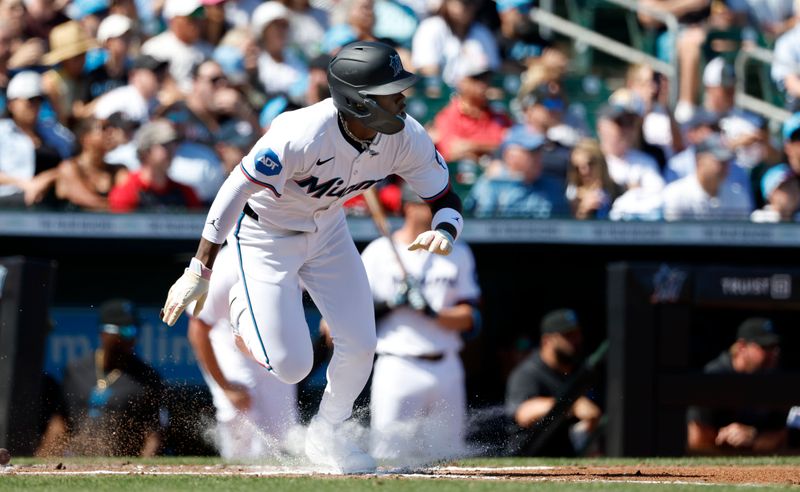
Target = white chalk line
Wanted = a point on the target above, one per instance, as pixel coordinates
(445, 472)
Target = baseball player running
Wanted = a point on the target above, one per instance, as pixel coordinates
(418, 402)
(255, 411)
(284, 206)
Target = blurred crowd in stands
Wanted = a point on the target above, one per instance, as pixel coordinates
(131, 105)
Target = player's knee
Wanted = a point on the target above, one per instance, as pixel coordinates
(292, 369)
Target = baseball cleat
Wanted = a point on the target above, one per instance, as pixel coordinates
(328, 446)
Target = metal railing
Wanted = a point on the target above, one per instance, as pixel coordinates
(747, 101)
(631, 55)
(613, 47)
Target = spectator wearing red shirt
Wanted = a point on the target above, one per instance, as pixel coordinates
(467, 128)
(150, 187)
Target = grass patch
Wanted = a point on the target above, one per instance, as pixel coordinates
(304, 484)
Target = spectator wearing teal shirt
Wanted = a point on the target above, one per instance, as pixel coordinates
(519, 189)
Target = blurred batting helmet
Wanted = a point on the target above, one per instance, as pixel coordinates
(363, 69)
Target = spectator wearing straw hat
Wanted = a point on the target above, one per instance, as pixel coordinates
(64, 83)
(181, 45)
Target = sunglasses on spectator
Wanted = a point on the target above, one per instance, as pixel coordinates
(217, 80)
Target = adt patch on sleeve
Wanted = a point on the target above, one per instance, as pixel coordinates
(268, 163)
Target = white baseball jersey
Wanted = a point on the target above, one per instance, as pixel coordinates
(444, 281)
(418, 406)
(296, 179)
(309, 170)
(263, 428)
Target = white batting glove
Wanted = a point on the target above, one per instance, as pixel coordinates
(438, 241)
(191, 287)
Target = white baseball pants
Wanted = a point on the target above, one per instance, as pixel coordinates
(273, 263)
(418, 409)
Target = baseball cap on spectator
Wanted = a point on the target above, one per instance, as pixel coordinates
(715, 146)
(522, 137)
(147, 62)
(774, 177)
(25, 85)
(113, 26)
(79, 9)
(758, 330)
(622, 115)
(560, 321)
(791, 127)
(236, 133)
(505, 5)
(118, 317)
(475, 66)
(628, 100)
(180, 8)
(67, 40)
(547, 96)
(231, 60)
(158, 132)
(701, 117)
(267, 13)
(718, 73)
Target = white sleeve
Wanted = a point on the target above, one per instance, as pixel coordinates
(228, 205)
(421, 165)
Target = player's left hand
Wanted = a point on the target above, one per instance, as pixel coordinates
(438, 241)
(190, 287)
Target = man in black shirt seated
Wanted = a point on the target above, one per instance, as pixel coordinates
(742, 430)
(538, 380)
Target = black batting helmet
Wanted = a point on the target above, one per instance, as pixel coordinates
(363, 69)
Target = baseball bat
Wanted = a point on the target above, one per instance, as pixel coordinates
(382, 223)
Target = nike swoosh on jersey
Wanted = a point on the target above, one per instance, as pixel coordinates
(321, 162)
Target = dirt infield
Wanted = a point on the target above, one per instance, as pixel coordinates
(786, 475)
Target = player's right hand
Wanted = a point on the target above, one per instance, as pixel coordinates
(191, 286)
